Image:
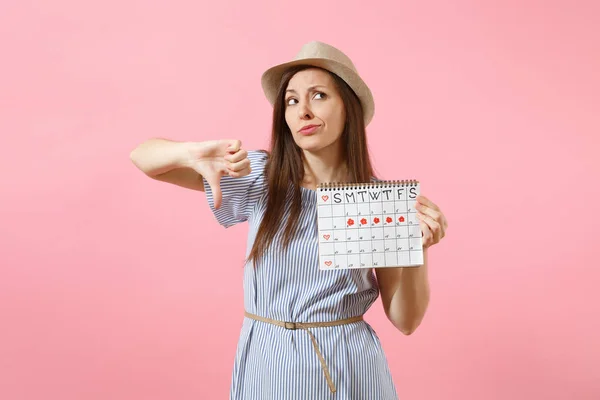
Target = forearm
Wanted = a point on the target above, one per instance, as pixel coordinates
(410, 297)
(156, 156)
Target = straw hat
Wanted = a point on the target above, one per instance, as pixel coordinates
(325, 56)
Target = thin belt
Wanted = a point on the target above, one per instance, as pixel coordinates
(305, 326)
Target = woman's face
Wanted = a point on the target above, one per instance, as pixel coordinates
(314, 110)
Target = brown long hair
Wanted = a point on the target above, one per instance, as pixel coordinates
(284, 169)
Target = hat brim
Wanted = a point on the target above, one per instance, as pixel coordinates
(271, 79)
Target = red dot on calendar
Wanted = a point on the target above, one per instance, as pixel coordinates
(325, 198)
(376, 220)
(363, 221)
(388, 220)
(350, 222)
(401, 219)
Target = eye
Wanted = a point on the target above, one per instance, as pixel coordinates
(323, 95)
(289, 100)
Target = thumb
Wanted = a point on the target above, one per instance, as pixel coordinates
(214, 181)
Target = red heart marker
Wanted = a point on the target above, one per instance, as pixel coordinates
(328, 263)
(388, 220)
(363, 221)
(325, 197)
(376, 220)
(326, 237)
(401, 219)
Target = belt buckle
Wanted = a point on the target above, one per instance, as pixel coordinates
(290, 325)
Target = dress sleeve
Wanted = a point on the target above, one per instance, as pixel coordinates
(239, 195)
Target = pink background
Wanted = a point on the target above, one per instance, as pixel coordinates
(115, 286)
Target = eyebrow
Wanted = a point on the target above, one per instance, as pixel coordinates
(310, 89)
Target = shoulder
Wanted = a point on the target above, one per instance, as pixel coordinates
(258, 155)
(258, 161)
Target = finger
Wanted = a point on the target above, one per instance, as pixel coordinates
(436, 215)
(433, 226)
(441, 218)
(239, 174)
(238, 166)
(426, 233)
(237, 156)
(234, 146)
(425, 201)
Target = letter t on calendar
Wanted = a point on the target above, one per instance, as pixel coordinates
(369, 225)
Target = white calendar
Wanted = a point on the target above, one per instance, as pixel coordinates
(369, 225)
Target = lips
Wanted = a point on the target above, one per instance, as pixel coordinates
(309, 129)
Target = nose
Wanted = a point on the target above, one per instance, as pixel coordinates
(304, 111)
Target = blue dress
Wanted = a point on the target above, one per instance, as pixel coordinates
(272, 362)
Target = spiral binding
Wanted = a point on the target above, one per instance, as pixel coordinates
(367, 185)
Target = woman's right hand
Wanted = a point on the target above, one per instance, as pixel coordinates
(215, 158)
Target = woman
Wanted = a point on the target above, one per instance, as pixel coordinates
(303, 336)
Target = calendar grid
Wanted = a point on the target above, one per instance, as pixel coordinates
(384, 212)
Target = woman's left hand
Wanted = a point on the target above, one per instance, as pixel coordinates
(432, 220)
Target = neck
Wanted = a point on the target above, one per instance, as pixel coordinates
(326, 166)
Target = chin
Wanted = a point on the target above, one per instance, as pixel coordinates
(312, 143)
